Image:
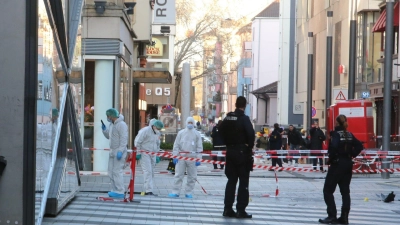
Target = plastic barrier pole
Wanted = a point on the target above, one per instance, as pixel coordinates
(132, 181)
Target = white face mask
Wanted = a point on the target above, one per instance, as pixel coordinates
(190, 126)
(109, 120)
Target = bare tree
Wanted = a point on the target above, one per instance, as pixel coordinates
(203, 27)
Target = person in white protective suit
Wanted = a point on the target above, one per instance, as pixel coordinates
(148, 139)
(151, 122)
(117, 133)
(188, 143)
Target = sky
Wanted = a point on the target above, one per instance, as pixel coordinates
(248, 8)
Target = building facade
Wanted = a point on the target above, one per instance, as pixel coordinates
(265, 63)
(370, 17)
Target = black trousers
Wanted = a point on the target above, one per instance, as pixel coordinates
(237, 168)
(218, 158)
(278, 160)
(321, 163)
(338, 174)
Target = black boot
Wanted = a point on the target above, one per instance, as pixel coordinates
(344, 218)
(229, 213)
(328, 220)
(243, 214)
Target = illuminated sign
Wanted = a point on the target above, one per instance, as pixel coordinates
(156, 49)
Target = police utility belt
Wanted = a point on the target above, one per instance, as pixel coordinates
(336, 158)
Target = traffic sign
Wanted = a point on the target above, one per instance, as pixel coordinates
(313, 112)
(340, 96)
(365, 94)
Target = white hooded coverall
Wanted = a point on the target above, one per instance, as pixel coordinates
(187, 140)
(148, 140)
(117, 133)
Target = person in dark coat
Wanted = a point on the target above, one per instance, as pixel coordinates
(275, 143)
(218, 144)
(294, 140)
(317, 136)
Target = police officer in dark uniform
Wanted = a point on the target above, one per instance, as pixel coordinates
(238, 134)
(343, 147)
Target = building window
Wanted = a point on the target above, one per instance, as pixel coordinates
(368, 48)
(40, 90)
(338, 53)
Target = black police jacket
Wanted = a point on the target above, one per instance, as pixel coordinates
(343, 144)
(237, 129)
(317, 137)
(275, 139)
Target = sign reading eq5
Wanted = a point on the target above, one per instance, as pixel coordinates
(159, 91)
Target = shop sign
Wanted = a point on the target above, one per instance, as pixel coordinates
(156, 49)
(164, 12)
(159, 91)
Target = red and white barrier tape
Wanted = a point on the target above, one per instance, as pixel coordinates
(261, 166)
(380, 136)
(321, 157)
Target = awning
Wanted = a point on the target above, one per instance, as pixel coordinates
(264, 92)
(152, 75)
(380, 24)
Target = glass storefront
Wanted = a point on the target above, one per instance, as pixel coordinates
(57, 141)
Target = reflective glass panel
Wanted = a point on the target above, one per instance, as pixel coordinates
(48, 100)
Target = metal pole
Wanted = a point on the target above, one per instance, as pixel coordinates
(185, 94)
(328, 93)
(309, 79)
(387, 93)
(352, 49)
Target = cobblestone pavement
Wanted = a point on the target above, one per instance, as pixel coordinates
(300, 200)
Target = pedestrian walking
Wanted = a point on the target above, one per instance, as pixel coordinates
(117, 133)
(148, 139)
(188, 143)
(294, 140)
(238, 134)
(317, 136)
(275, 143)
(218, 144)
(343, 146)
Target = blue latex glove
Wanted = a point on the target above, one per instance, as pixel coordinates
(158, 159)
(175, 161)
(119, 155)
(198, 163)
(103, 127)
